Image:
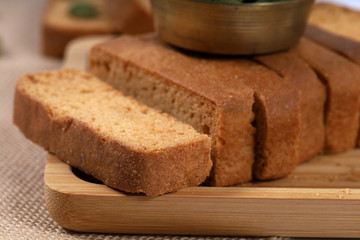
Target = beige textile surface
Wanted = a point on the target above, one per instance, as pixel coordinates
(22, 210)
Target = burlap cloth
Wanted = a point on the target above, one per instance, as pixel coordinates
(23, 214)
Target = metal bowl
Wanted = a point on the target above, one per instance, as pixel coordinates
(235, 29)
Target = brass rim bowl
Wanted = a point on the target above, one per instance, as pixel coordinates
(234, 29)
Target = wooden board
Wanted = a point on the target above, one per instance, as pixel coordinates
(320, 199)
(326, 205)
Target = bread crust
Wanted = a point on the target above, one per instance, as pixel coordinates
(231, 115)
(108, 159)
(212, 78)
(277, 133)
(333, 27)
(312, 99)
(336, 19)
(341, 78)
(340, 44)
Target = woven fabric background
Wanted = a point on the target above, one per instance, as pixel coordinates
(23, 214)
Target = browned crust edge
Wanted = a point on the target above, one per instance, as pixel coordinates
(110, 161)
(343, 94)
(342, 45)
(276, 151)
(233, 153)
(231, 156)
(312, 99)
(277, 134)
(345, 46)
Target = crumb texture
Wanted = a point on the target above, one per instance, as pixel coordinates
(215, 95)
(191, 89)
(117, 139)
(80, 96)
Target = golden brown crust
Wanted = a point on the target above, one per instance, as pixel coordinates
(215, 79)
(277, 132)
(335, 27)
(312, 99)
(233, 153)
(341, 78)
(336, 19)
(277, 121)
(342, 45)
(109, 160)
(231, 102)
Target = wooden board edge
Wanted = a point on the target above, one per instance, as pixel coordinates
(233, 211)
(197, 211)
(71, 184)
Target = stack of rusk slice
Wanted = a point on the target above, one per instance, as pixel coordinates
(263, 115)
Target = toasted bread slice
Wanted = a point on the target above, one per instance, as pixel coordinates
(216, 95)
(116, 139)
(342, 80)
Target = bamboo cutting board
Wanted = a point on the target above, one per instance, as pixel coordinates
(320, 199)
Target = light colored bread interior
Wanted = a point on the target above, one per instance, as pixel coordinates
(149, 89)
(107, 111)
(117, 139)
(195, 97)
(206, 92)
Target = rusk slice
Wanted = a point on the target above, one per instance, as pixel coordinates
(337, 28)
(312, 99)
(214, 95)
(344, 46)
(116, 139)
(189, 89)
(336, 19)
(342, 80)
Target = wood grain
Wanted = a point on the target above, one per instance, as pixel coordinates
(322, 207)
